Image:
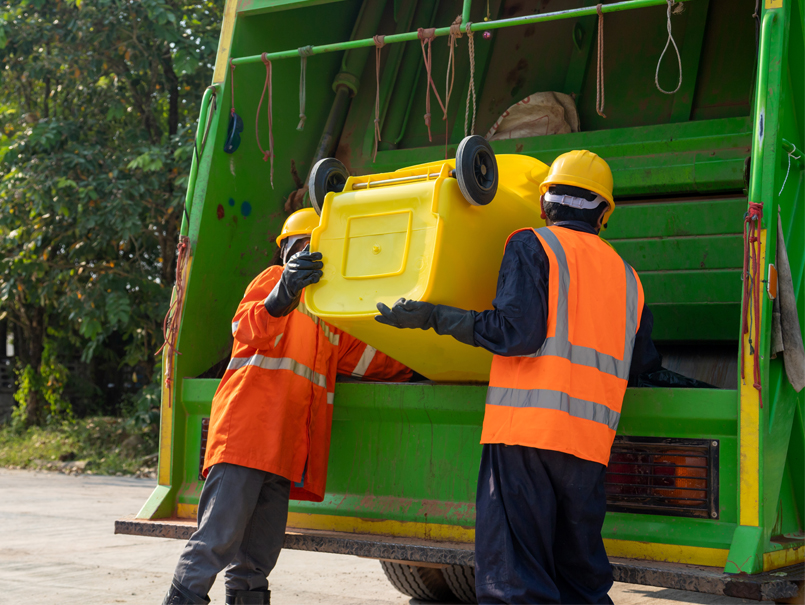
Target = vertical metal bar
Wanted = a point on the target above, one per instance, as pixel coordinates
(465, 12)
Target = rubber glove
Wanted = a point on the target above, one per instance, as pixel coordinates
(458, 323)
(303, 269)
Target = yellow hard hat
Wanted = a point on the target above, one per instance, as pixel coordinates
(301, 222)
(582, 168)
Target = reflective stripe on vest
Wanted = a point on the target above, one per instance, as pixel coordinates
(553, 400)
(364, 362)
(235, 325)
(560, 346)
(279, 363)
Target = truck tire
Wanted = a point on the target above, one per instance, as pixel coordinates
(461, 580)
(423, 583)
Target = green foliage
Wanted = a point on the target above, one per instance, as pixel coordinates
(108, 446)
(97, 116)
(50, 382)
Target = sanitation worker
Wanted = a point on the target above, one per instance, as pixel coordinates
(568, 330)
(269, 434)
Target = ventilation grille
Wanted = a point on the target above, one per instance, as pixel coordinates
(677, 477)
(205, 427)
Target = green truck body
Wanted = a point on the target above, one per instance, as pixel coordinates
(404, 457)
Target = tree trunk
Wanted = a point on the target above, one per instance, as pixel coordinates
(172, 86)
(31, 346)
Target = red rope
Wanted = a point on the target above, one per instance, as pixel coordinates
(752, 280)
(270, 153)
(170, 325)
(426, 36)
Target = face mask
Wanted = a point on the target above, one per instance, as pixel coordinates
(288, 246)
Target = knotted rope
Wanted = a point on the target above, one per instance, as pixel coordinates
(471, 91)
(270, 153)
(304, 53)
(678, 56)
(751, 291)
(170, 325)
(450, 76)
(599, 72)
(790, 155)
(380, 42)
(426, 37)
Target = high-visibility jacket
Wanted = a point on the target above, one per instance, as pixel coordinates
(568, 395)
(273, 408)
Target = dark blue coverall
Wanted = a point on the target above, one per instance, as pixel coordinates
(540, 512)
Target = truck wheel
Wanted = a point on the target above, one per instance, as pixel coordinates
(423, 583)
(461, 580)
(476, 170)
(327, 175)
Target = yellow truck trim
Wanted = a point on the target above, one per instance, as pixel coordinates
(783, 558)
(671, 553)
(225, 42)
(749, 435)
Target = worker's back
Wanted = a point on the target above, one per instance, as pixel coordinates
(568, 395)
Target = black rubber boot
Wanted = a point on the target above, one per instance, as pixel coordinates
(248, 597)
(179, 595)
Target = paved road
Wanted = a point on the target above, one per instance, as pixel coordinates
(57, 546)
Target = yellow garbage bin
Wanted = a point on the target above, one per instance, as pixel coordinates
(412, 234)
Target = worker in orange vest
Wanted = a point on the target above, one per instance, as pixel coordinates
(569, 329)
(269, 433)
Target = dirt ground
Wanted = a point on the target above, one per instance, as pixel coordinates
(57, 546)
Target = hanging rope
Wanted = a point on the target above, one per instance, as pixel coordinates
(304, 53)
(170, 325)
(790, 155)
(450, 76)
(471, 91)
(599, 72)
(678, 56)
(270, 153)
(232, 87)
(426, 37)
(752, 280)
(380, 42)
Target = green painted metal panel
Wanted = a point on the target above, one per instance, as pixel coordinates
(696, 322)
(410, 452)
(713, 286)
(677, 218)
(678, 253)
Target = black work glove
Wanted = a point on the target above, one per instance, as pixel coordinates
(303, 269)
(458, 323)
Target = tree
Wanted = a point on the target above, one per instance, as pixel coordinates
(97, 117)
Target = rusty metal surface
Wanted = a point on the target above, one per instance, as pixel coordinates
(765, 586)
(779, 584)
(361, 545)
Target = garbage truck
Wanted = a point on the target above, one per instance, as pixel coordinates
(699, 109)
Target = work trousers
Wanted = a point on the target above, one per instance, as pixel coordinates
(242, 515)
(538, 528)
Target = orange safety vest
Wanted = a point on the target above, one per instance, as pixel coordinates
(568, 395)
(273, 409)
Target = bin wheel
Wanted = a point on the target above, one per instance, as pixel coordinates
(476, 170)
(328, 175)
(461, 580)
(423, 583)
